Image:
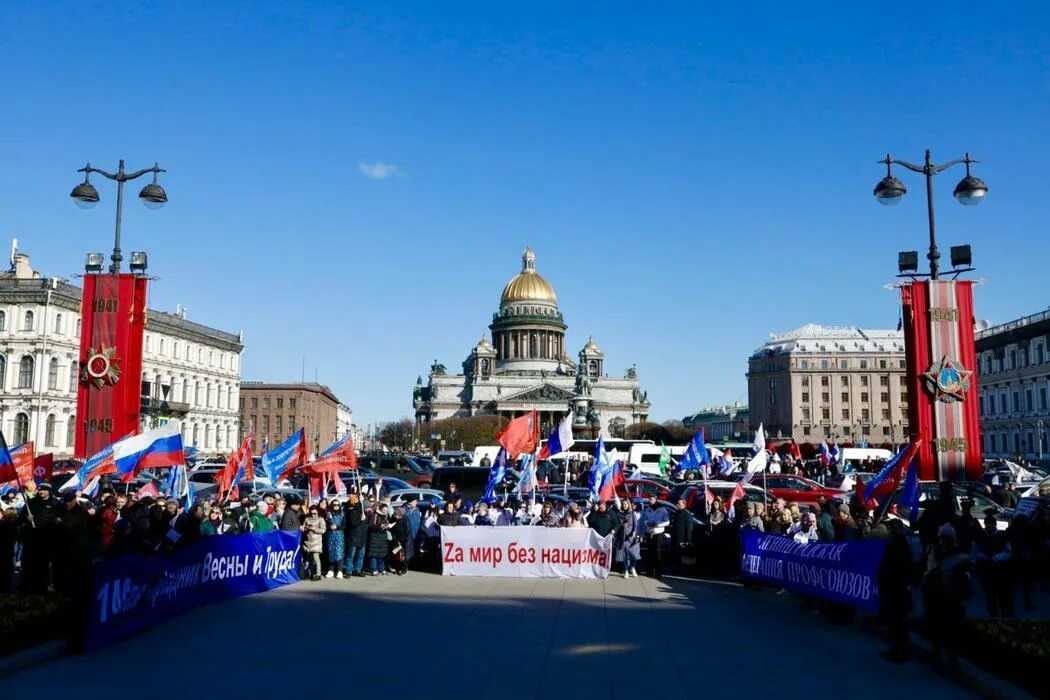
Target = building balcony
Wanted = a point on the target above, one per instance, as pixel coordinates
(168, 408)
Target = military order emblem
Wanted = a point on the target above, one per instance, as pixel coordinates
(947, 380)
(102, 367)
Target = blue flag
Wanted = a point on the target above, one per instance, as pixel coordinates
(497, 472)
(910, 494)
(602, 471)
(275, 461)
(696, 454)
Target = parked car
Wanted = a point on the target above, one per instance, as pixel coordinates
(696, 497)
(469, 481)
(796, 488)
(643, 488)
(426, 497)
(982, 504)
(401, 466)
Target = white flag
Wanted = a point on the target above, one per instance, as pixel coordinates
(760, 439)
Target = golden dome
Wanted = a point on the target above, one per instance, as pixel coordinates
(528, 285)
(591, 345)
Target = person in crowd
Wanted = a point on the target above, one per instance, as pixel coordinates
(356, 524)
(938, 512)
(628, 538)
(414, 521)
(845, 526)
(894, 577)
(991, 556)
(774, 521)
(805, 530)
(398, 551)
(482, 518)
(449, 518)
(825, 524)
(258, 521)
(681, 534)
(507, 517)
(452, 494)
(654, 521)
(547, 517)
(314, 528)
(601, 520)
(8, 538)
(1023, 546)
(214, 525)
(291, 519)
(946, 588)
(754, 516)
(1008, 497)
(335, 539)
(42, 515)
(523, 515)
(574, 518)
(378, 540)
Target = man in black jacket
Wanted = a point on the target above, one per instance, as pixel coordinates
(601, 520)
(681, 533)
(42, 515)
(356, 525)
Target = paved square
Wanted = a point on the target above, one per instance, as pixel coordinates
(438, 637)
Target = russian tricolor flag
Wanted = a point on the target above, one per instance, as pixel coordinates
(560, 440)
(160, 447)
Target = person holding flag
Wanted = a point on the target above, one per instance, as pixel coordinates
(601, 470)
(40, 517)
(497, 472)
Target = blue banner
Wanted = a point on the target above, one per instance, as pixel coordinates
(840, 571)
(275, 461)
(133, 593)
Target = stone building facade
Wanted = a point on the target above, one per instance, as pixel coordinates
(525, 366)
(278, 410)
(1013, 365)
(823, 383)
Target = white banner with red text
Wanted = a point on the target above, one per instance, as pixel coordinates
(525, 552)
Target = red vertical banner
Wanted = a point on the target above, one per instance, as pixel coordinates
(113, 317)
(941, 378)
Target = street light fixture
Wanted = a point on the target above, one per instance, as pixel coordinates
(970, 191)
(86, 196)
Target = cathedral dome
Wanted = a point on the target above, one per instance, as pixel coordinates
(528, 285)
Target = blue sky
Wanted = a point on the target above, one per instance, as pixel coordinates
(356, 184)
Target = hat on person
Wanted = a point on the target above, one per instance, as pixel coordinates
(946, 531)
(44, 486)
(844, 509)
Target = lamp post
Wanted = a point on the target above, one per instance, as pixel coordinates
(970, 191)
(152, 195)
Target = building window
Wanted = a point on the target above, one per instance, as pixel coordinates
(805, 381)
(1028, 403)
(78, 327)
(884, 397)
(863, 381)
(58, 327)
(845, 397)
(52, 374)
(805, 397)
(845, 414)
(1013, 362)
(864, 397)
(1017, 442)
(805, 414)
(149, 344)
(255, 422)
(885, 414)
(863, 364)
(280, 402)
(3, 372)
(207, 436)
(825, 397)
(25, 373)
(266, 424)
(277, 425)
(21, 428)
(843, 364)
(882, 364)
(1042, 395)
(49, 431)
(980, 405)
(823, 364)
(904, 398)
(805, 430)
(865, 415)
(242, 404)
(824, 381)
(196, 434)
(74, 368)
(187, 352)
(845, 430)
(1017, 402)
(1039, 359)
(196, 393)
(291, 404)
(825, 413)
(3, 321)
(804, 364)
(844, 381)
(162, 346)
(1002, 404)
(266, 402)
(71, 431)
(255, 402)
(902, 364)
(884, 380)
(27, 323)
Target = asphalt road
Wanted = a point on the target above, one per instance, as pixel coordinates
(438, 637)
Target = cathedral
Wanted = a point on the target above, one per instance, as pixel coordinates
(525, 366)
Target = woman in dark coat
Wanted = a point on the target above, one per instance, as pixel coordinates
(378, 544)
(399, 545)
(356, 523)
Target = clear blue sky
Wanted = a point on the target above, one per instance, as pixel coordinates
(692, 177)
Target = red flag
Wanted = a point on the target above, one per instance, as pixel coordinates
(149, 489)
(316, 486)
(859, 490)
(738, 493)
(521, 436)
(44, 467)
(709, 496)
(21, 469)
(795, 451)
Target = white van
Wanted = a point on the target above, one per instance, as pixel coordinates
(856, 455)
(647, 457)
(482, 451)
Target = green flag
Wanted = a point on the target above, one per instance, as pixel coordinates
(665, 459)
